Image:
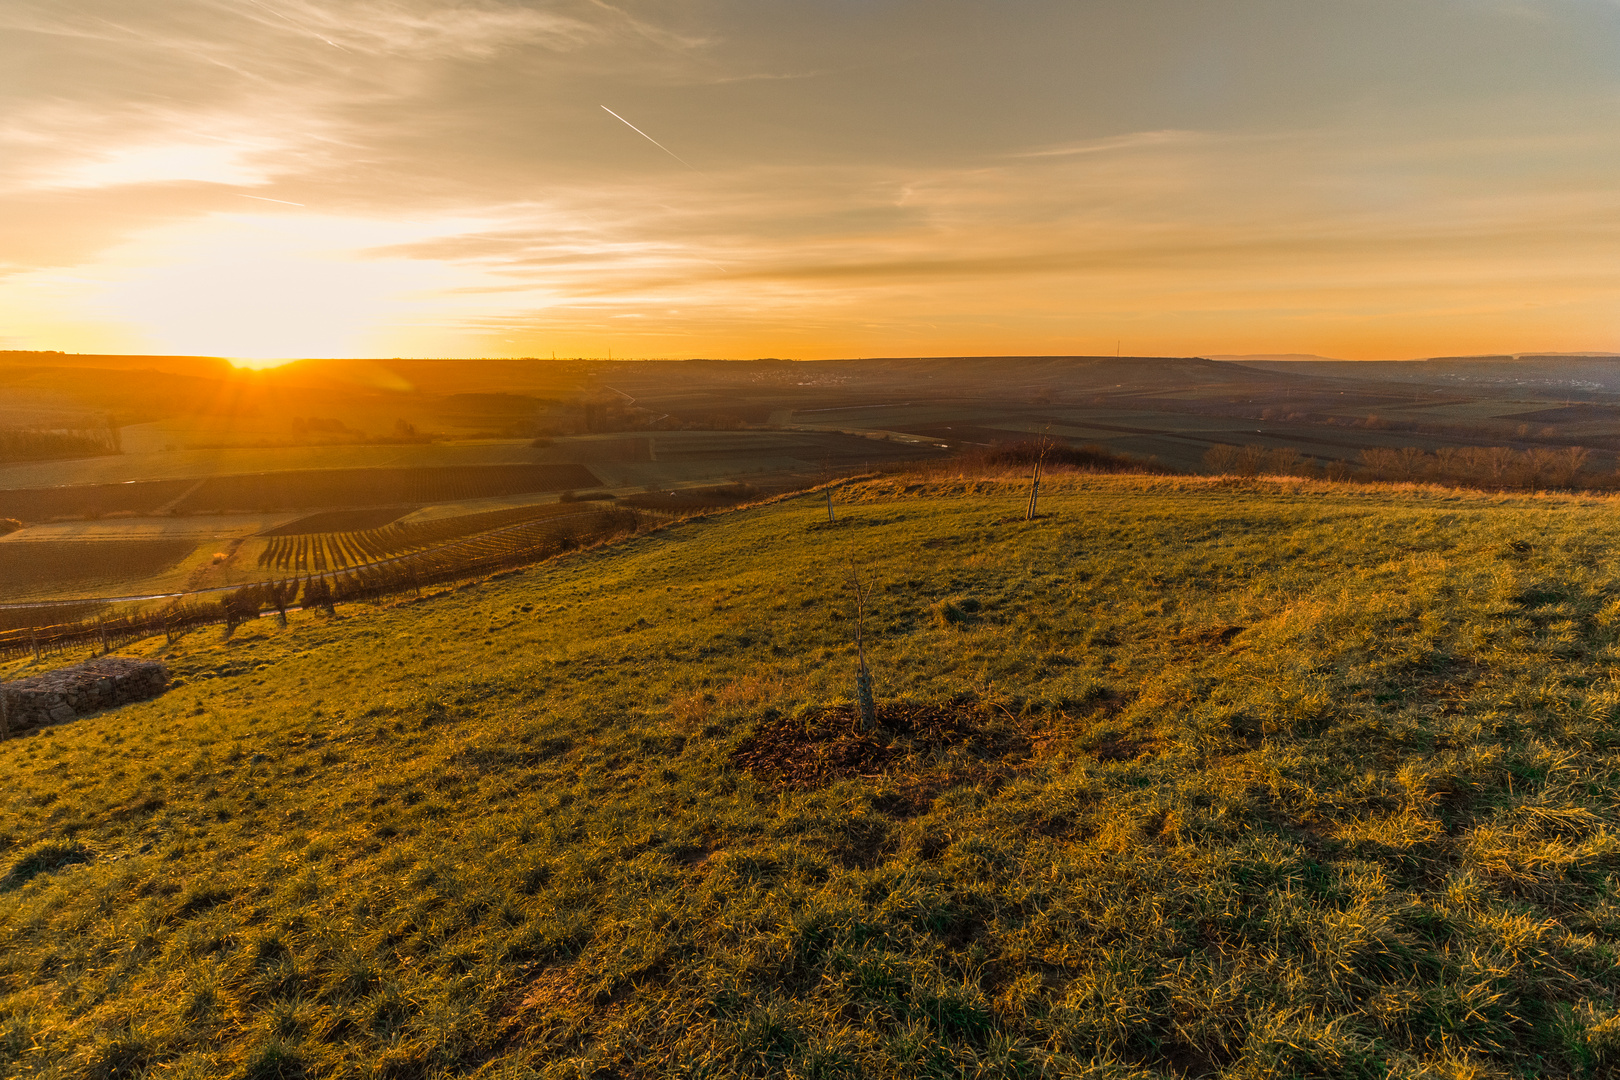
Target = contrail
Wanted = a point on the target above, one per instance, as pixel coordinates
(261, 198)
(652, 140)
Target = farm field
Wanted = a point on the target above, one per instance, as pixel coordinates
(1180, 439)
(199, 526)
(1187, 777)
(318, 488)
(61, 568)
(374, 517)
(378, 487)
(192, 464)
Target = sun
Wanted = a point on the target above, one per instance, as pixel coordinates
(260, 363)
(263, 290)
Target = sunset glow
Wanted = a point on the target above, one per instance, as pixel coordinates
(426, 179)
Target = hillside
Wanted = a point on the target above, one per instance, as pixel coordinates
(1189, 777)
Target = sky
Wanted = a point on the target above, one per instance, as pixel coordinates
(811, 178)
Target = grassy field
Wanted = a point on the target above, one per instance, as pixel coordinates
(1186, 778)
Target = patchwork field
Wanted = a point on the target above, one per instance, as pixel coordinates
(1185, 778)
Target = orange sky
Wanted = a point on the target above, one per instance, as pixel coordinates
(421, 177)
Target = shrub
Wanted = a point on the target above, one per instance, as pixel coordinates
(1087, 458)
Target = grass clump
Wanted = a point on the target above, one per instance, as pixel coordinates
(42, 858)
(954, 610)
(1221, 778)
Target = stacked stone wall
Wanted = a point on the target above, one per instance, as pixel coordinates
(58, 696)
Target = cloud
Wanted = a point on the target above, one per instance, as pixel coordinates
(422, 30)
(241, 161)
(390, 28)
(1131, 141)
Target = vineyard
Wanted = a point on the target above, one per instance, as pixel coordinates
(476, 556)
(304, 553)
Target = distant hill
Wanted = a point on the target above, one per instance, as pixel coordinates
(1578, 372)
(1250, 357)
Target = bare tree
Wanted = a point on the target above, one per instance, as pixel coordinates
(1499, 460)
(282, 593)
(1283, 461)
(1250, 460)
(863, 677)
(1381, 461)
(1222, 457)
(1412, 462)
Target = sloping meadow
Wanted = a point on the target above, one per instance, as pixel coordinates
(1184, 778)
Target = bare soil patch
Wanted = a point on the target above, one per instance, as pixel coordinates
(931, 744)
(330, 521)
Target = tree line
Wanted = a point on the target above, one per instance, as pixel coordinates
(56, 443)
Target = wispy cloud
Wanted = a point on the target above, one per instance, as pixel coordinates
(1133, 141)
(430, 29)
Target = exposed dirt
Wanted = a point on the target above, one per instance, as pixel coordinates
(1211, 635)
(814, 750)
(1122, 749)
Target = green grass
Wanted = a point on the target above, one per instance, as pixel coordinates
(1285, 780)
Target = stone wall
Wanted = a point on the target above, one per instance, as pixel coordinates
(58, 696)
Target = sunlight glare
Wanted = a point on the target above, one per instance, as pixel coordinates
(263, 289)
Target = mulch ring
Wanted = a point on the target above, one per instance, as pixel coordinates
(816, 749)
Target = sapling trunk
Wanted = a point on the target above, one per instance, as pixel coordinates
(1035, 480)
(864, 701)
